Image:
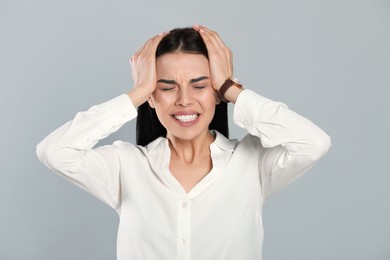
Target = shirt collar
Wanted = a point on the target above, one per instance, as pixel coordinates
(158, 154)
(156, 143)
(222, 142)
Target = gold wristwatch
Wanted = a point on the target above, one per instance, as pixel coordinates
(230, 82)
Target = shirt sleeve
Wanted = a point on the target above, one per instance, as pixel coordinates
(69, 149)
(290, 144)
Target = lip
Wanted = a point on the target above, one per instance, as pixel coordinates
(184, 113)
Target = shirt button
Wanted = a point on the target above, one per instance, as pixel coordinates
(184, 205)
(183, 241)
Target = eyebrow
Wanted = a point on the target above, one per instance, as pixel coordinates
(198, 79)
(166, 81)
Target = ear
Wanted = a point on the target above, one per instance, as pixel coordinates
(151, 102)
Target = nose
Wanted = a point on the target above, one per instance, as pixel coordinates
(184, 98)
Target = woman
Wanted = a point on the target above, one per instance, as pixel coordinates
(186, 191)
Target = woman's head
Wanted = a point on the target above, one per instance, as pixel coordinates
(184, 98)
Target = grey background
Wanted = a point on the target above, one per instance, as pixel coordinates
(328, 60)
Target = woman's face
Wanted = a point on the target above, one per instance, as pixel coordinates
(184, 98)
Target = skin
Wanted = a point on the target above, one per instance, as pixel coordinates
(178, 84)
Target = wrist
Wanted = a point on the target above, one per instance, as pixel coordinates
(138, 96)
(228, 90)
(232, 94)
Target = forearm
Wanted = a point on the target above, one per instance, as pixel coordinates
(85, 130)
(275, 124)
(138, 96)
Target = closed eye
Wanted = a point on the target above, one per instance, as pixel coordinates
(166, 88)
(199, 87)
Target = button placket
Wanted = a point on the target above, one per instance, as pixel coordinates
(183, 228)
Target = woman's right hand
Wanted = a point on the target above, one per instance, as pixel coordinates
(143, 69)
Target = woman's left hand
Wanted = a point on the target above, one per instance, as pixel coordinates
(220, 56)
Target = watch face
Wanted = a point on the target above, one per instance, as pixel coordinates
(236, 81)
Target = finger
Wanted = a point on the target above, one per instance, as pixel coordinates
(211, 44)
(146, 47)
(215, 48)
(196, 27)
(214, 36)
(144, 50)
(141, 51)
(210, 40)
(156, 41)
(151, 46)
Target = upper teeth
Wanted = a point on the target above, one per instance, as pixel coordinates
(186, 118)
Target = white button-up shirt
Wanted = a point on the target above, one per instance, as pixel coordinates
(220, 217)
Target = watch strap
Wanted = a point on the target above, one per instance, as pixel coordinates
(225, 86)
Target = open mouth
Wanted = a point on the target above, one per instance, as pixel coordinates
(186, 118)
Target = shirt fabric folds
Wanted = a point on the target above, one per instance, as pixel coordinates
(218, 219)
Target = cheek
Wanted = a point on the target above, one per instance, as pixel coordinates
(162, 104)
(209, 99)
(161, 100)
(162, 114)
(208, 102)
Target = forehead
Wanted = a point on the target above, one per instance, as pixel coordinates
(182, 64)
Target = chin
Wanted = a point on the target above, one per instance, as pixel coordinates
(186, 135)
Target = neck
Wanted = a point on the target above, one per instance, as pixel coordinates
(190, 150)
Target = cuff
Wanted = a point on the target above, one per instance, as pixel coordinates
(247, 107)
(120, 109)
